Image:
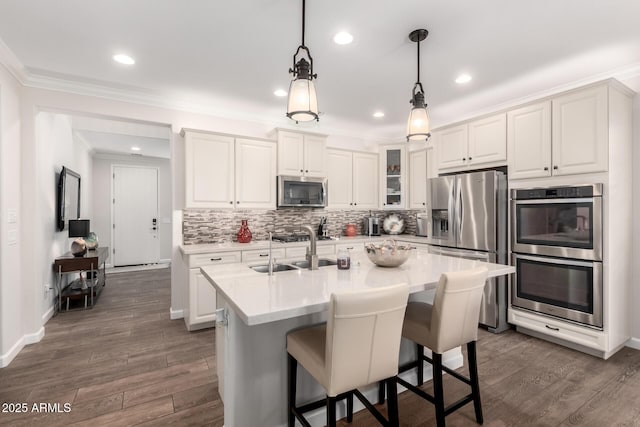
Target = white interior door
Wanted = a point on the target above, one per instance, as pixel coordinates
(135, 216)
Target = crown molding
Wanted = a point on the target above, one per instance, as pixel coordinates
(12, 63)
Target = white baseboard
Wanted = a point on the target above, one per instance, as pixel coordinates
(6, 358)
(634, 343)
(47, 315)
(35, 337)
(176, 314)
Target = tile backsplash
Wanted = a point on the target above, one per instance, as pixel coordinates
(219, 225)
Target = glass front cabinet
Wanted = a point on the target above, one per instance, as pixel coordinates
(393, 172)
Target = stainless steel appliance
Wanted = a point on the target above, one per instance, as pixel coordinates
(469, 220)
(422, 224)
(300, 191)
(371, 225)
(558, 221)
(557, 251)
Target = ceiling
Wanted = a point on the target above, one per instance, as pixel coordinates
(227, 57)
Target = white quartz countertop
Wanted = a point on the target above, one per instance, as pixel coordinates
(259, 298)
(263, 244)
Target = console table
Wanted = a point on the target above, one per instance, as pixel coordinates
(87, 289)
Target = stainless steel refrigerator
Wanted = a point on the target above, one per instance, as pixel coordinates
(469, 220)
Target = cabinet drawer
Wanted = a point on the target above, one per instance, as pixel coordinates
(198, 260)
(261, 255)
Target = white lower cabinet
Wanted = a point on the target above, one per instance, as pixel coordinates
(201, 296)
(262, 255)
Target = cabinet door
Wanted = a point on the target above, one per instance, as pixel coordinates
(290, 153)
(339, 179)
(209, 171)
(202, 301)
(580, 132)
(393, 172)
(529, 141)
(418, 179)
(365, 180)
(315, 154)
(255, 174)
(488, 140)
(452, 148)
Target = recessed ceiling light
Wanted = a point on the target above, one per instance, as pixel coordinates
(134, 148)
(463, 78)
(378, 114)
(124, 59)
(343, 38)
(280, 92)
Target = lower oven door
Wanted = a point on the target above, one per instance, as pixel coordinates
(560, 287)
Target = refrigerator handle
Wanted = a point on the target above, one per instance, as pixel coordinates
(459, 210)
(452, 211)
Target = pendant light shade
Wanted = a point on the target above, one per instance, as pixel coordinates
(302, 105)
(418, 126)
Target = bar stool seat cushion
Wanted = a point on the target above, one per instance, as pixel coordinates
(308, 347)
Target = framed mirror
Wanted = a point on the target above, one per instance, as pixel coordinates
(68, 206)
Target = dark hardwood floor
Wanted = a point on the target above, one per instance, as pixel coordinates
(126, 363)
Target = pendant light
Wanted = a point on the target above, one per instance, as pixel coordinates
(418, 127)
(302, 105)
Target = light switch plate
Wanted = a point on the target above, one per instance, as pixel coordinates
(12, 237)
(12, 216)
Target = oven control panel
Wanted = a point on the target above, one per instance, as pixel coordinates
(593, 190)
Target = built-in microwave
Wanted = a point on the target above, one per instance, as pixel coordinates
(302, 192)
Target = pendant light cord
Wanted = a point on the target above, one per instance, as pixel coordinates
(303, 15)
(418, 44)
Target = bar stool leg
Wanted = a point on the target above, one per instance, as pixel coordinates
(392, 402)
(420, 357)
(380, 392)
(331, 411)
(473, 376)
(292, 366)
(438, 393)
(349, 407)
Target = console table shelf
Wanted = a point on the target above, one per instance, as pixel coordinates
(81, 293)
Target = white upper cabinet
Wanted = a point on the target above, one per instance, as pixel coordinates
(479, 143)
(255, 174)
(564, 136)
(352, 180)
(418, 179)
(301, 154)
(209, 170)
(451, 145)
(580, 132)
(365, 177)
(226, 172)
(488, 140)
(393, 174)
(529, 141)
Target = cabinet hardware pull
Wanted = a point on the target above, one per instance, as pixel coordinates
(424, 204)
(552, 328)
(263, 255)
(350, 248)
(231, 202)
(216, 259)
(350, 204)
(237, 203)
(555, 167)
(355, 204)
(464, 159)
(546, 168)
(300, 170)
(306, 171)
(470, 158)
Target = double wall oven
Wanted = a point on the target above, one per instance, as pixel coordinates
(556, 243)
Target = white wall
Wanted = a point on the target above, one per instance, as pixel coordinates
(102, 172)
(635, 300)
(12, 331)
(56, 148)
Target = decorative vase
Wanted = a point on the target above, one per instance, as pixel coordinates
(244, 234)
(78, 247)
(350, 230)
(92, 241)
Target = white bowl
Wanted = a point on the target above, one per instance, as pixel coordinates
(388, 253)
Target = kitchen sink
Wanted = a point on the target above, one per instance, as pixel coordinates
(322, 262)
(264, 268)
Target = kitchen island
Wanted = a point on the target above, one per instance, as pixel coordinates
(259, 310)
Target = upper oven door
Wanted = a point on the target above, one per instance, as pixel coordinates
(568, 228)
(302, 192)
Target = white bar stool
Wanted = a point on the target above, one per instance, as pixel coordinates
(359, 345)
(450, 322)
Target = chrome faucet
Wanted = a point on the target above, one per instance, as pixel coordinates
(272, 260)
(312, 256)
